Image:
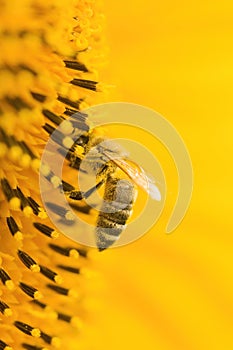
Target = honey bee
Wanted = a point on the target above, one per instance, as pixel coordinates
(94, 154)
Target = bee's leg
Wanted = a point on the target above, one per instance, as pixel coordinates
(78, 195)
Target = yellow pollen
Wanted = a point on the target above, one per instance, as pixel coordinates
(10, 285)
(36, 333)
(35, 268)
(55, 234)
(69, 216)
(42, 214)
(58, 279)
(18, 236)
(66, 127)
(55, 180)
(25, 161)
(15, 203)
(68, 142)
(27, 211)
(51, 313)
(15, 153)
(45, 170)
(8, 312)
(38, 295)
(74, 253)
(81, 42)
(35, 164)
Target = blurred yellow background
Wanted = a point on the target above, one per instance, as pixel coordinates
(174, 292)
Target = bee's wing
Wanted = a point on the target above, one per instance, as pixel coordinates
(138, 175)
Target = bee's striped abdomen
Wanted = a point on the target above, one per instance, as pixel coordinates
(119, 198)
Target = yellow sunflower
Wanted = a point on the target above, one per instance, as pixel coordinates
(162, 292)
(50, 54)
